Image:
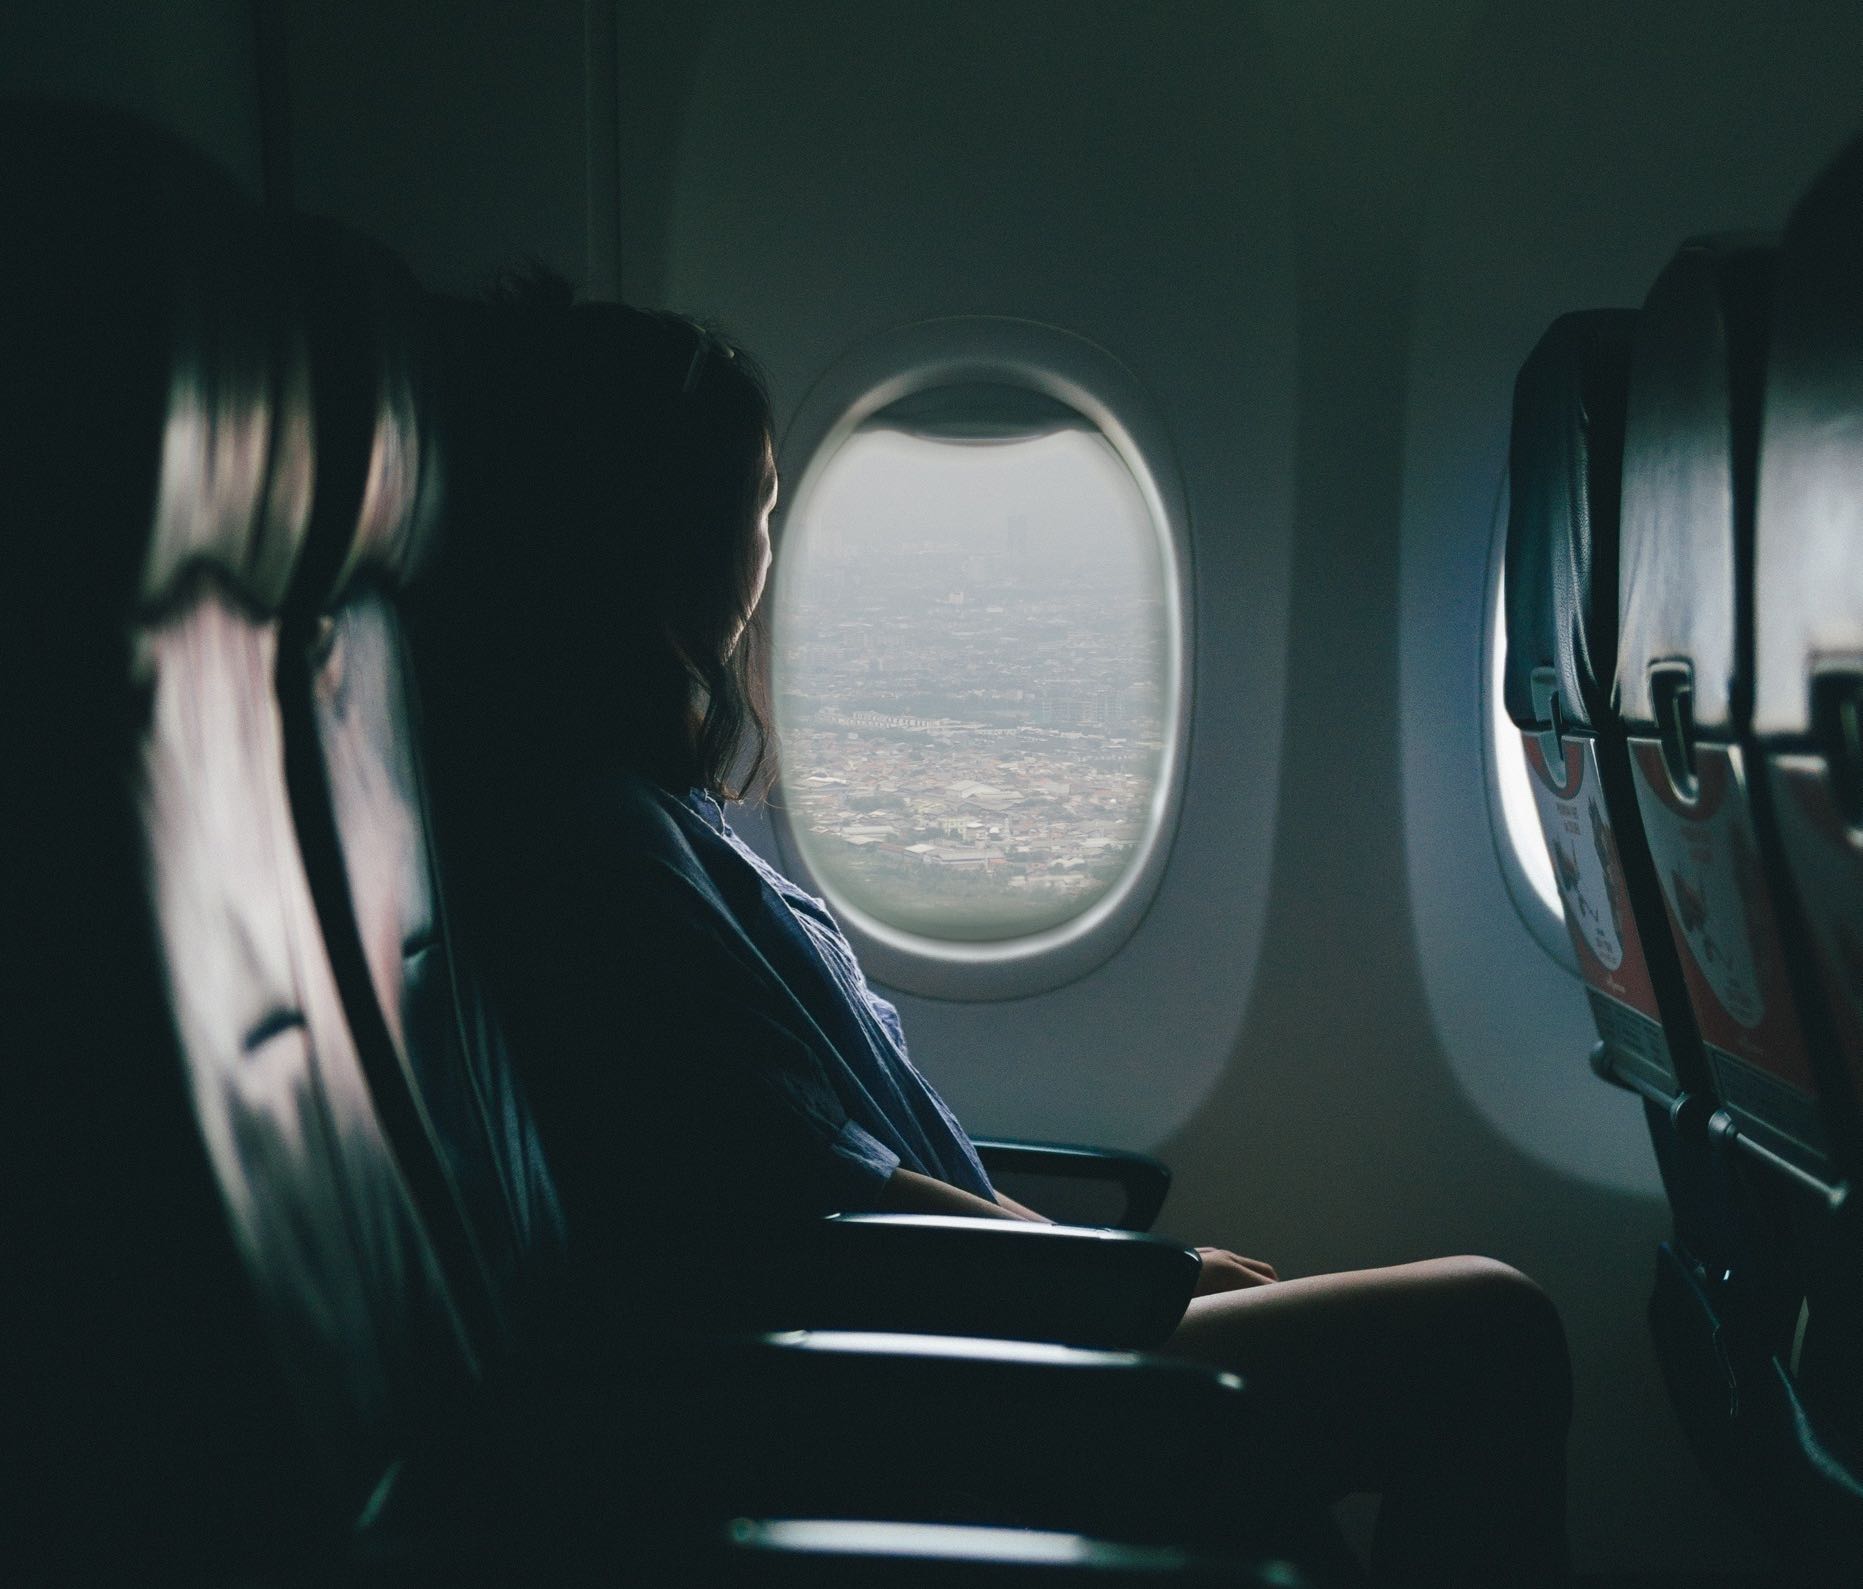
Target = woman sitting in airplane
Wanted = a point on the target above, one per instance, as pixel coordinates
(705, 1056)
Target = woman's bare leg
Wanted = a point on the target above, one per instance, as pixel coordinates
(1443, 1386)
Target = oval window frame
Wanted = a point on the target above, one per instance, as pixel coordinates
(1063, 365)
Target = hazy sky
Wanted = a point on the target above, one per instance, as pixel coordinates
(1067, 489)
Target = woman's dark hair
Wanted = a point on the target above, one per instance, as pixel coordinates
(610, 464)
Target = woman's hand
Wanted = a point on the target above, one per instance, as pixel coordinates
(1229, 1271)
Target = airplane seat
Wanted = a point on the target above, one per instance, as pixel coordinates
(1808, 621)
(1808, 647)
(1685, 684)
(141, 1400)
(357, 787)
(1564, 469)
(1109, 1440)
(232, 1308)
(1565, 456)
(1685, 693)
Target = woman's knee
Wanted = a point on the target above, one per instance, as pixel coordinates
(1509, 1323)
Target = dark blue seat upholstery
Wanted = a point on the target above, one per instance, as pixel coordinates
(1808, 659)
(1808, 615)
(1632, 479)
(1564, 466)
(1565, 479)
(1685, 685)
(1686, 691)
(236, 1315)
(357, 780)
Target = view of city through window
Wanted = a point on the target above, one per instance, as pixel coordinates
(971, 679)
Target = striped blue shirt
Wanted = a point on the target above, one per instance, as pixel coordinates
(893, 1114)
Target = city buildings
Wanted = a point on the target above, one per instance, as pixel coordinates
(969, 752)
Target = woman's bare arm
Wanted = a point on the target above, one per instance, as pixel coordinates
(908, 1192)
(1022, 1210)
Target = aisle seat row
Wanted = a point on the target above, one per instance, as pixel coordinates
(1684, 605)
(292, 1278)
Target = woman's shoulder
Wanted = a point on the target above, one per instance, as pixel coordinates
(626, 823)
(642, 805)
(636, 841)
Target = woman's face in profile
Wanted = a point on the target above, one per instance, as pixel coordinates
(758, 552)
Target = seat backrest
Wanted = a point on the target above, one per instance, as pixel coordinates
(1684, 681)
(1565, 456)
(348, 697)
(238, 1306)
(137, 1367)
(1808, 602)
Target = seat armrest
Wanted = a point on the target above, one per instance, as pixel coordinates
(944, 1427)
(936, 1274)
(1143, 1180)
(567, 1457)
(838, 1553)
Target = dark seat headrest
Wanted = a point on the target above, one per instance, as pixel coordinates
(1690, 445)
(378, 468)
(1809, 533)
(145, 353)
(1563, 463)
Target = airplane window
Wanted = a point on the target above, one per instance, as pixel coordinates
(1519, 815)
(973, 672)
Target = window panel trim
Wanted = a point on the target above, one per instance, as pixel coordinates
(1069, 368)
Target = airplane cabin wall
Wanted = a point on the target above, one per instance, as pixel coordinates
(188, 65)
(895, 164)
(465, 137)
(1322, 236)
